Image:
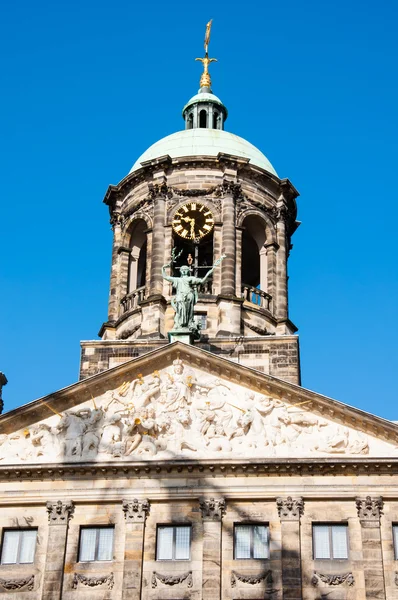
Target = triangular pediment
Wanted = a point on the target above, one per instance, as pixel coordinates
(180, 402)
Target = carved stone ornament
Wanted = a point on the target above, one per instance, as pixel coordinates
(369, 509)
(396, 578)
(177, 412)
(135, 511)
(348, 578)
(21, 584)
(157, 190)
(252, 579)
(290, 509)
(93, 581)
(172, 579)
(59, 512)
(213, 509)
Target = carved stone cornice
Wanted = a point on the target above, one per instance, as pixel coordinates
(252, 579)
(22, 584)
(92, 581)
(135, 511)
(213, 509)
(369, 509)
(328, 579)
(172, 579)
(60, 513)
(290, 509)
(181, 468)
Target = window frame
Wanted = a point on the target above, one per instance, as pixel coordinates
(97, 528)
(175, 526)
(330, 537)
(21, 531)
(395, 544)
(252, 524)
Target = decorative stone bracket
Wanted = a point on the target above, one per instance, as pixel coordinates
(369, 509)
(213, 509)
(252, 579)
(59, 513)
(135, 511)
(22, 584)
(348, 578)
(172, 579)
(290, 509)
(93, 581)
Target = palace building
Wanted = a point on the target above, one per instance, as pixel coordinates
(188, 462)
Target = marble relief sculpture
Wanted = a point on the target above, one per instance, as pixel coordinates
(182, 412)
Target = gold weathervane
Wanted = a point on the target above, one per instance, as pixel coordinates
(205, 80)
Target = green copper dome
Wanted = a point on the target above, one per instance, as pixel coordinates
(204, 97)
(204, 142)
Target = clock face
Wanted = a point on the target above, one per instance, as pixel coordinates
(193, 221)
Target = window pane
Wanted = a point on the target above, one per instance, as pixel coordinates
(9, 554)
(242, 541)
(27, 546)
(395, 533)
(321, 541)
(105, 543)
(165, 543)
(260, 541)
(339, 541)
(88, 538)
(183, 539)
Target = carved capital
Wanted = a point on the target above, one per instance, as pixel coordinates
(59, 513)
(290, 509)
(135, 511)
(213, 509)
(157, 190)
(369, 509)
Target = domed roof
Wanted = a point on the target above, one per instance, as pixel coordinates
(205, 142)
(204, 97)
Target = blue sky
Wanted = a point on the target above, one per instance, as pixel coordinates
(88, 86)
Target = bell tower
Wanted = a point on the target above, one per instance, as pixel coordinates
(198, 194)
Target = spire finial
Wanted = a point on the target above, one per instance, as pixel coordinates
(205, 80)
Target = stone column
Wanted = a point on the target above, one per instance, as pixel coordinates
(228, 265)
(369, 511)
(113, 307)
(290, 510)
(59, 514)
(135, 513)
(213, 510)
(158, 259)
(238, 268)
(271, 249)
(280, 302)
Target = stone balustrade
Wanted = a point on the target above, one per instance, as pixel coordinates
(132, 300)
(256, 296)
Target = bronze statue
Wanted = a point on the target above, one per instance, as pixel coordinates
(186, 296)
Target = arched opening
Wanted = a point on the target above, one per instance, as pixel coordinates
(215, 120)
(199, 256)
(137, 266)
(203, 118)
(190, 121)
(254, 256)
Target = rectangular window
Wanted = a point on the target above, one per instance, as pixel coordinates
(395, 538)
(173, 542)
(251, 541)
(330, 541)
(18, 546)
(96, 543)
